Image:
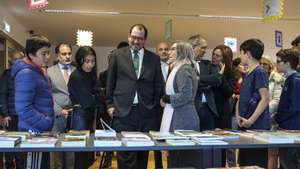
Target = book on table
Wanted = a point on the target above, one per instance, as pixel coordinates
(160, 136)
(273, 137)
(106, 131)
(39, 142)
(136, 139)
(180, 142)
(191, 133)
(79, 134)
(73, 142)
(224, 134)
(9, 141)
(107, 142)
(23, 135)
(202, 141)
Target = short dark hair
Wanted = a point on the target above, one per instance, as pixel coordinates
(36, 42)
(254, 46)
(59, 45)
(296, 41)
(289, 55)
(140, 27)
(122, 44)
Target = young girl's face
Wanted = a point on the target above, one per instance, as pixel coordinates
(88, 63)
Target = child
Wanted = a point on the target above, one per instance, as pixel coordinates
(252, 110)
(288, 115)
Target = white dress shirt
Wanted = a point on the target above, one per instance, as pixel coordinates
(141, 56)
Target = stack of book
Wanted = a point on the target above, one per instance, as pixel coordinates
(75, 138)
(161, 136)
(224, 134)
(107, 137)
(202, 138)
(136, 139)
(171, 138)
(273, 137)
(23, 135)
(9, 141)
(40, 142)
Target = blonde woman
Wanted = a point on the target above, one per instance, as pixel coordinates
(180, 112)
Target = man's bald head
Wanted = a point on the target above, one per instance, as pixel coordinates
(162, 50)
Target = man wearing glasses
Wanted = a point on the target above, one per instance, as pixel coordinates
(133, 91)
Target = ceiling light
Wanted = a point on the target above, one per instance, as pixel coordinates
(84, 38)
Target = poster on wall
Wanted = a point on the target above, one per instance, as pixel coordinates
(168, 29)
(278, 39)
(231, 42)
(37, 4)
(273, 10)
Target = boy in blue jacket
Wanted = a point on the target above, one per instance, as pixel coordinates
(33, 97)
(288, 115)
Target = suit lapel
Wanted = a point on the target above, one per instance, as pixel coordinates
(145, 62)
(60, 78)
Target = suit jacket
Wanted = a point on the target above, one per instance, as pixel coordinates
(122, 83)
(209, 77)
(60, 95)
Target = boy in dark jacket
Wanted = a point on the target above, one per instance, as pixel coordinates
(288, 115)
(10, 118)
(33, 97)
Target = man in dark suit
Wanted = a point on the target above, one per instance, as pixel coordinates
(205, 101)
(209, 77)
(102, 111)
(133, 90)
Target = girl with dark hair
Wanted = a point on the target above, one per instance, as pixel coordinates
(82, 94)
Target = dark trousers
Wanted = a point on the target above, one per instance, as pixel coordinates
(289, 158)
(206, 116)
(15, 158)
(134, 121)
(157, 123)
(254, 156)
(83, 119)
(207, 122)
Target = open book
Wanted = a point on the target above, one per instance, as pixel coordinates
(106, 131)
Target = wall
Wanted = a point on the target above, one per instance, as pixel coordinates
(18, 31)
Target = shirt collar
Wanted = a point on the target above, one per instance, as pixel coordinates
(140, 52)
(62, 66)
(290, 72)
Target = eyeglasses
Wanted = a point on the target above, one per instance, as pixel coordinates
(137, 38)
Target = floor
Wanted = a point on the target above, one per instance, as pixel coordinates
(114, 162)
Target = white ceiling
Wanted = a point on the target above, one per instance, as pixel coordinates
(109, 30)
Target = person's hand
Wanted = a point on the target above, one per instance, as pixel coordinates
(110, 112)
(246, 122)
(6, 121)
(273, 121)
(66, 112)
(222, 68)
(238, 119)
(162, 103)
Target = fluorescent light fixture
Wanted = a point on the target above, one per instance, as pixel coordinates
(158, 14)
(6, 27)
(84, 38)
(80, 12)
(231, 42)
